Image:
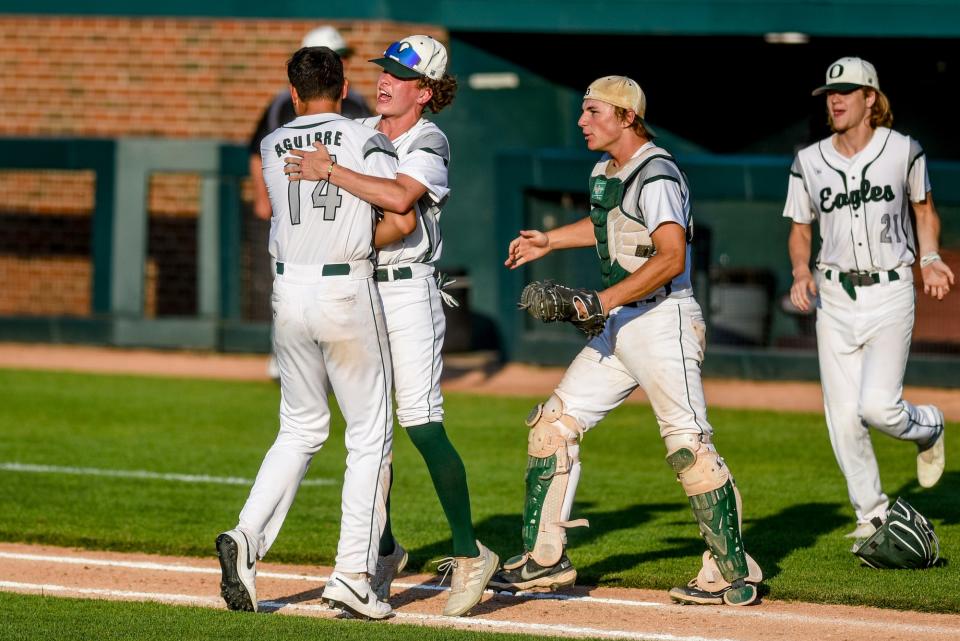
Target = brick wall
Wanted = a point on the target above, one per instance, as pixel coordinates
(163, 77)
(135, 77)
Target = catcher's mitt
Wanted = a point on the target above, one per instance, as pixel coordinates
(551, 302)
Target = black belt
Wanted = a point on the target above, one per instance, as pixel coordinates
(399, 273)
(646, 301)
(330, 269)
(849, 281)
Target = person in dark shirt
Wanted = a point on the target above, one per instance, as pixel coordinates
(280, 111)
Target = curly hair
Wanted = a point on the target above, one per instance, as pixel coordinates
(444, 90)
(637, 125)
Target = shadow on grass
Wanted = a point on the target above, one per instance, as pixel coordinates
(940, 503)
(771, 539)
(501, 532)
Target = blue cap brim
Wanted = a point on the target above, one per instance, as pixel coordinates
(394, 68)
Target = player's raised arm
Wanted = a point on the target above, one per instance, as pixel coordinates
(392, 194)
(532, 244)
(937, 276)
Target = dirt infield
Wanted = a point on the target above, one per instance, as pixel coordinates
(464, 374)
(581, 611)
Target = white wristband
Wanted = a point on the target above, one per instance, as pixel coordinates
(929, 258)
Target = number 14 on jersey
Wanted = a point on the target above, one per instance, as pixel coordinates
(325, 197)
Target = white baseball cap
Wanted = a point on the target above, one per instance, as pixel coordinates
(847, 74)
(415, 57)
(622, 92)
(327, 36)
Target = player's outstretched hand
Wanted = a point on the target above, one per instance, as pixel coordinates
(307, 165)
(803, 288)
(530, 245)
(937, 278)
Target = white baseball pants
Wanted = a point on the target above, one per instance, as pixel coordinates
(659, 347)
(863, 346)
(415, 326)
(330, 335)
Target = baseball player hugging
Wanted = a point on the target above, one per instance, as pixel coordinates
(413, 80)
(330, 335)
(867, 188)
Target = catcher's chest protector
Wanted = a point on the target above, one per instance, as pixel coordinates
(623, 240)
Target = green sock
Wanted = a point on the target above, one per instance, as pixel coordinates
(386, 539)
(450, 481)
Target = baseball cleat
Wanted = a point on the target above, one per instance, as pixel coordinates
(470, 578)
(388, 567)
(238, 571)
(523, 573)
(354, 596)
(931, 458)
(738, 593)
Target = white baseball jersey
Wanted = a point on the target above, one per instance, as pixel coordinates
(412, 306)
(315, 222)
(657, 343)
(862, 203)
(329, 334)
(424, 155)
(631, 202)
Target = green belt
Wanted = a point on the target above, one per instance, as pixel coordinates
(330, 269)
(851, 280)
(399, 273)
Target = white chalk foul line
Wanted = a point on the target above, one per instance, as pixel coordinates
(475, 622)
(13, 466)
(44, 588)
(753, 612)
(422, 619)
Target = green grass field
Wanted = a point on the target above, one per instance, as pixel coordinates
(34, 617)
(642, 533)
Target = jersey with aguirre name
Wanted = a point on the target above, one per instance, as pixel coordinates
(424, 155)
(315, 222)
(862, 204)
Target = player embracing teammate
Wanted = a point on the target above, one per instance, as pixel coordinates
(330, 334)
(414, 79)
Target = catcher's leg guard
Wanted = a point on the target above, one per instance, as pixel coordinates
(553, 471)
(715, 503)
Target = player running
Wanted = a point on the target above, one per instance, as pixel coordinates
(649, 332)
(414, 78)
(330, 335)
(861, 184)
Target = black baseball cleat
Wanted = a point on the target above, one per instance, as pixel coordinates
(523, 573)
(238, 567)
(739, 593)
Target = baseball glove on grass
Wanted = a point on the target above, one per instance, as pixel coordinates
(551, 302)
